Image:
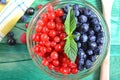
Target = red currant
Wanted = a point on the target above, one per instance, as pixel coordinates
(36, 49)
(51, 67)
(40, 23)
(39, 6)
(62, 36)
(49, 49)
(47, 44)
(45, 62)
(64, 65)
(53, 44)
(54, 55)
(74, 70)
(59, 26)
(50, 8)
(64, 59)
(45, 30)
(59, 12)
(57, 69)
(51, 25)
(41, 43)
(38, 29)
(58, 47)
(44, 37)
(23, 38)
(52, 33)
(36, 37)
(58, 20)
(49, 59)
(51, 16)
(57, 39)
(40, 54)
(55, 62)
(64, 70)
(45, 18)
(26, 25)
(43, 49)
(72, 65)
(62, 43)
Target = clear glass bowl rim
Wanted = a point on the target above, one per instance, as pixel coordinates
(81, 74)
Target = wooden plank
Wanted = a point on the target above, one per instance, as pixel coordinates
(13, 53)
(26, 70)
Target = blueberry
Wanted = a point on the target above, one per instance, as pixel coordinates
(92, 16)
(92, 45)
(11, 41)
(76, 33)
(89, 52)
(78, 44)
(81, 61)
(92, 38)
(84, 27)
(76, 20)
(66, 8)
(76, 12)
(23, 18)
(93, 58)
(87, 12)
(88, 64)
(97, 28)
(3, 1)
(84, 46)
(77, 38)
(95, 21)
(75, 7)
(81, 10)
(81, 53)
(91, 32)
(79, 24)
(10, 34)
(64, 17)
(97, 51)
(81, 67)
(82, 19)
(30, 11)
(100, 34)
(83, 38)
(100, 41)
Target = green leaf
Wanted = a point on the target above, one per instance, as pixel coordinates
(71, 49)
(70, 45)
(70, 22)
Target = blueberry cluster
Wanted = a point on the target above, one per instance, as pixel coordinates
(88, 35)
(11, 40)
(29, 11)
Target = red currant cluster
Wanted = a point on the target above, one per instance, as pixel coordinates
(49, 38)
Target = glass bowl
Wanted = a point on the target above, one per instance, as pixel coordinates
(38, 61)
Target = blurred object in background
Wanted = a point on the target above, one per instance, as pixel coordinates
(115, 25)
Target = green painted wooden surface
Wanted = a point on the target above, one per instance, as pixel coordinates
(16, 64)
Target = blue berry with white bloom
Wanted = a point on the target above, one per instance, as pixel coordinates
(24, 18)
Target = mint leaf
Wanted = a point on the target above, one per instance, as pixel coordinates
(71, 49)
(70, 22)
(70, 45)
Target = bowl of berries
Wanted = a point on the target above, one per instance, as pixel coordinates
(68, 39)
